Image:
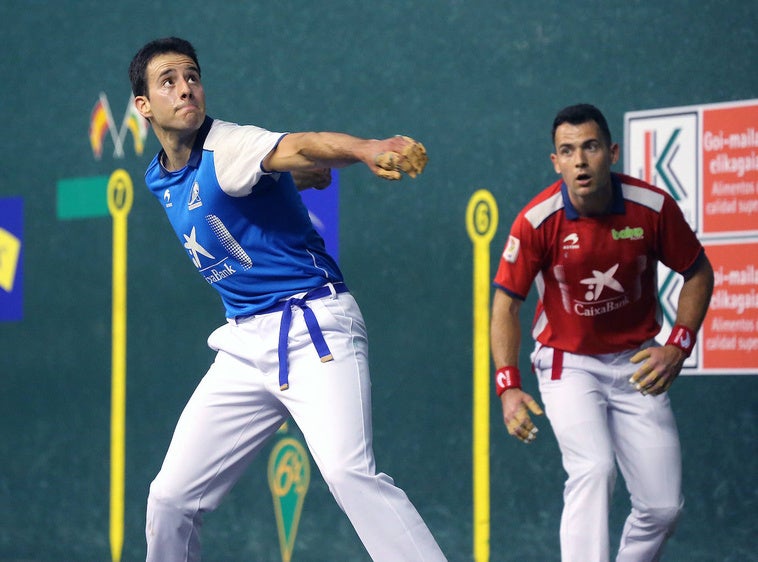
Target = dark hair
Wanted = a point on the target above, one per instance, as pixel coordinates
(582, 113)
(138, 66)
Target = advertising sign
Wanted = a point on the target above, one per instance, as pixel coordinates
(706, 157)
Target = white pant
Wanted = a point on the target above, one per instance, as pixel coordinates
(599, 419)
(238, 405)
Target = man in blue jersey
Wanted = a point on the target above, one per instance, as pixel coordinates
(294, 343)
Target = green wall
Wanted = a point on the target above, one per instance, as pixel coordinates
(478, 82)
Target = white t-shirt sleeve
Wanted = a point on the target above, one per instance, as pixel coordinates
(238, 151)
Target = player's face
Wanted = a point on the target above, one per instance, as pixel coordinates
(176, 99)
(584, 159)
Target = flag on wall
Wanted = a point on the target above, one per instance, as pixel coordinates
(99, 124)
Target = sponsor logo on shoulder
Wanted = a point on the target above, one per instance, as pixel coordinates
(510, 254)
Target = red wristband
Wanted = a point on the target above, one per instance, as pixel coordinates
(683, 338)
(505, 378)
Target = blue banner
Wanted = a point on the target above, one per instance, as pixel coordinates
(11, 258)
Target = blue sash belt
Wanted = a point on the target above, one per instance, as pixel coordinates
(317, 337)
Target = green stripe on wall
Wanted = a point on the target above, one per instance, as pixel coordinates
(80, 198)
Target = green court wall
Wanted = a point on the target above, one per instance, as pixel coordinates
(479, 83)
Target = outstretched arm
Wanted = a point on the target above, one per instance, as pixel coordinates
(386, 158)
(661, 365)
(505, 340)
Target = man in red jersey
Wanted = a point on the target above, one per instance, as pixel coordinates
(591, 243)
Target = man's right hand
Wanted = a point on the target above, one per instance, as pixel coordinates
(516, 407)
(399, 154)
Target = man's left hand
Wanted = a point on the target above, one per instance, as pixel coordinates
(660, 366)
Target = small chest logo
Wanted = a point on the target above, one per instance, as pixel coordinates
(194, 201)
(167, 199)
(628, 233)
(571, 242)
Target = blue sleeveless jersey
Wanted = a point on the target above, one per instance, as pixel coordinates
(246, 230)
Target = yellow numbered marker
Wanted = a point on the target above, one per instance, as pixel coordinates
(481, 223)
(120, 197)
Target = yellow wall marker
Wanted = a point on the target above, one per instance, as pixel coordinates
(120, 198)
(481, 223)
